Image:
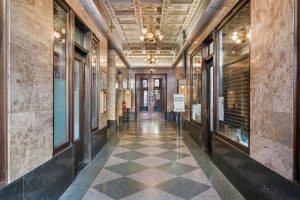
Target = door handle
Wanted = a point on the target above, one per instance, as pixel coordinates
(206, 116)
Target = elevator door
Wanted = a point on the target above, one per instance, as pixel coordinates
(151, 96)
(78, 103)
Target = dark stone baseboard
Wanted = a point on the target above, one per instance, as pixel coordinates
(99, 139)
(194, 131)
(252, 179)
(47, 181)
(121, 122)
(170, 116)
(132, 116)
(129, 116)
(112, 125)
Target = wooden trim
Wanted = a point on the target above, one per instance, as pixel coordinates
(3, 91)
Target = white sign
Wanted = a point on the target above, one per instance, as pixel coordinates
(221, 108)
(179, 105)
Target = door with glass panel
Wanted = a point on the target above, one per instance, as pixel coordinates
(151, 96)
(208, 125)
(210, 102)
(78, 101)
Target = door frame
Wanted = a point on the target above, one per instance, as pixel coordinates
(82, 95)
(4, 53)
(86, 101)
(206, 64)
(151, 76)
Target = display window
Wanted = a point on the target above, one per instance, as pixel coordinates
(60, 79)
(196, 99)
(234, 78)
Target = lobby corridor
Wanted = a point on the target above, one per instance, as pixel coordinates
(148, 161)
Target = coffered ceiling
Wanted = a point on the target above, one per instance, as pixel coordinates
(172, 17)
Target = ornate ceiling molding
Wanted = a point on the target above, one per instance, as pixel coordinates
(113, 17)
(170, 16)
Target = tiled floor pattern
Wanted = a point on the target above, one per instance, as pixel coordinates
(150, 162)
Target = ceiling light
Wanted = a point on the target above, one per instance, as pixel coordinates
(144, 31)
(151, 36)
(242, 35)
(151, 59)
(157, 32)
(56, 34)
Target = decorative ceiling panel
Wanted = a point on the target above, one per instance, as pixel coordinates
(171, 17)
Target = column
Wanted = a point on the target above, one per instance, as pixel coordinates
(111, 91)
(120, 100)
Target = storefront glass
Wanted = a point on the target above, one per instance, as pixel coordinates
(234, 78)
(196, 87)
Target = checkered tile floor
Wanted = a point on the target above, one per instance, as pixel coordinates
(149, 163)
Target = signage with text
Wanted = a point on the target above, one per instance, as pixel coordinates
(179, 103)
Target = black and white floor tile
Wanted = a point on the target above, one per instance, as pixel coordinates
(151, 165)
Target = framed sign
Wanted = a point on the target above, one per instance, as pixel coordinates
(179, 103)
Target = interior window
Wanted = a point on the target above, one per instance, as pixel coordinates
(196, 87)
(94, 105)
(60, 99)
(234, 78)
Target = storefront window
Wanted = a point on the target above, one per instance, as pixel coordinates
(196, 87)
(60, 99)
(94, 86)
(234, 78)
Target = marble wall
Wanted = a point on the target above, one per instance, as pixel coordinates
(271, 58)
(272, 80)
(30, 82)
(30, 86)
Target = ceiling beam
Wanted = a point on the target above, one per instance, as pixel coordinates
(138, 16)
(188, 20)
(163, 21)
(114, 19)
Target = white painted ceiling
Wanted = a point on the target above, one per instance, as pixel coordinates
(126, 19)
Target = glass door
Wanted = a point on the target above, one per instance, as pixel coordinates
(151, 96)
(78, 98)
(210, 105)
(144, 97)
(158, 97)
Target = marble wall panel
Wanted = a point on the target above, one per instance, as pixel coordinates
(271, 53)
(30, 82)
(30, 86)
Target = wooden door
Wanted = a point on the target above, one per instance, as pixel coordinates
(151, 96)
